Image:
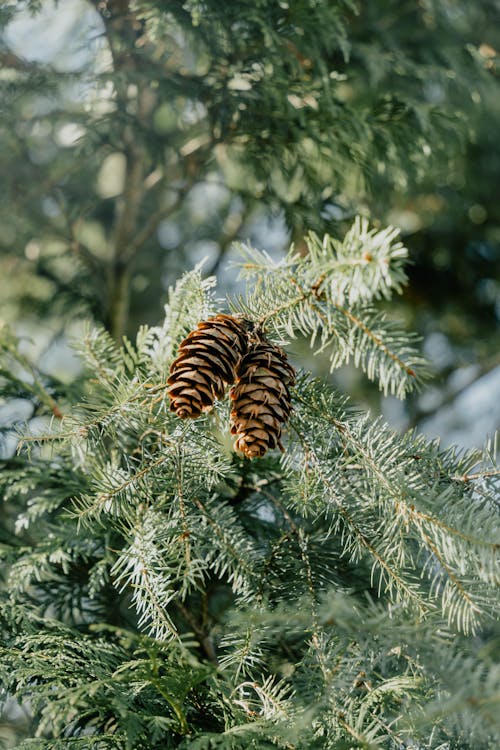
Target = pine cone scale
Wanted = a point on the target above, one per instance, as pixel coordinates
(218, 370)
(220, 374)
(224, 347)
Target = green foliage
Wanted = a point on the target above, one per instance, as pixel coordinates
(163, 592)
(191, 124)
(327, 294)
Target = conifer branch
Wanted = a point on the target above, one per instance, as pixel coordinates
(337, 284)
(225, 542)
(379, 560)
(478, 475)
(429, 528)
(36, 387)
(152, 612)
(377, 341)
(162, 213)
(90, 508)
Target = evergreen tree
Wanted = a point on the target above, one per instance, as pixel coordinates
(158, 588)
(163, 591)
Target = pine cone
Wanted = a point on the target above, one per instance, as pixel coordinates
(261, 399)
(206, 362)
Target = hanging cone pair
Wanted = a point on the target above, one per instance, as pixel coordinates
(219, 352)
(261, 399)
(205, 364)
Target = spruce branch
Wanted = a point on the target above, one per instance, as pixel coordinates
(139, 568)
(112, 491)
(479, 475)
(161, 214)
(413, 501)
(327, 295)
(34, 383)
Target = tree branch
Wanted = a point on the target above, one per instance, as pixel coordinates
(119, 24)
(162, 213)
(228, 238)
(203, 639)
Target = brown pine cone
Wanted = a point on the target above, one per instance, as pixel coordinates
(261, 399)
(206, 362)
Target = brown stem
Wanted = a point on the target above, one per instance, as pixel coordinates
(203, 639)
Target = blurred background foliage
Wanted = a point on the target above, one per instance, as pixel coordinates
(138, 138)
